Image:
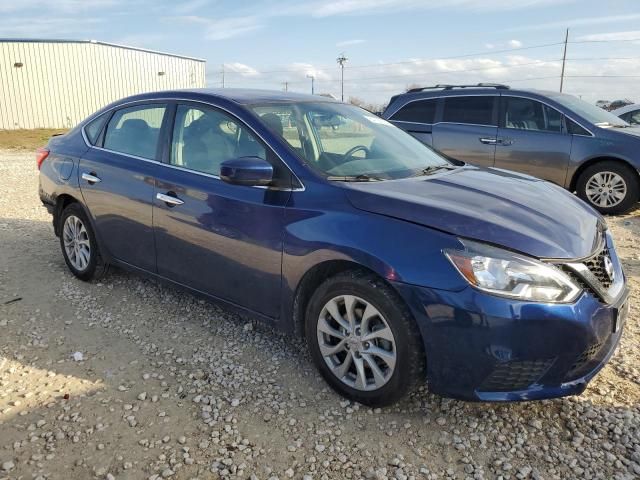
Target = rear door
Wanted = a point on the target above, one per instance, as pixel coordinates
(532, 139)
(117, 176)
(468, 129)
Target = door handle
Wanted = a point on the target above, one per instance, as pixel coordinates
(488, 140)
(170, 200)
(505, 142)
(91, 178)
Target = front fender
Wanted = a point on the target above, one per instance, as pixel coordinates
(394, 249)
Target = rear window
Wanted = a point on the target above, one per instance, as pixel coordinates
(93, 128)
(419, 111)
(474, 110)
(135, 130)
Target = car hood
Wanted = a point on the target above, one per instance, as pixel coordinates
(491, 205)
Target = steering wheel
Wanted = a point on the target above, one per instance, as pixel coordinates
(353, 150)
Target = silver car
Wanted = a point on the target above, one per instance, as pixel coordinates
(550, 135)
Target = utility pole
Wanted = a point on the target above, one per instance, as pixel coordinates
(341, 61)
(312, 77)
(286, 86)
(564, 59)
(223, 75)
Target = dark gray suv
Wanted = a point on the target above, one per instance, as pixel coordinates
(553, 136)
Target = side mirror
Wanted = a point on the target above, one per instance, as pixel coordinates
(248, 171)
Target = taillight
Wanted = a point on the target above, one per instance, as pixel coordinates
(41, 154)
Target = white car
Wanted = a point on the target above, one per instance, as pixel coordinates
(630, 113)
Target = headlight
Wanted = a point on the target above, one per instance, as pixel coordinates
(508, 274)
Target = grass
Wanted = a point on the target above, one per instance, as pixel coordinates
(26, 139)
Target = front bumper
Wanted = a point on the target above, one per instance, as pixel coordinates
(487, 348)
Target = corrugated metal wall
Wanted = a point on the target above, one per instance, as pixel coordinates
(61, 83)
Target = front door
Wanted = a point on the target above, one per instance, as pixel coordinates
(221, 239)
(532, 140)
(117, 178)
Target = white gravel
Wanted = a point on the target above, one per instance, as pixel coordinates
(170, 386)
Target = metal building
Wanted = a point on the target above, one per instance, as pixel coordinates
(57, 83)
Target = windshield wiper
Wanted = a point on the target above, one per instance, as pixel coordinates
(363, 177)
(434, 168)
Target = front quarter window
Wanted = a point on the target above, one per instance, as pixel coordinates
(343, 141)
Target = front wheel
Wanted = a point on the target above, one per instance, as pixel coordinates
(78, 243)
(609, 187)
(363, 339)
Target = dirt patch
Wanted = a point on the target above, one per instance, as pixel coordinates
(26, 139)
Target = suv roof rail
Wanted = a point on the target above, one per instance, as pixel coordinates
(445, 86)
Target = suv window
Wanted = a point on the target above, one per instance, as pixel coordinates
(419, 111)
(527, 114)
(632, 117)
(203, 138)
(469, 109)
(135, 130)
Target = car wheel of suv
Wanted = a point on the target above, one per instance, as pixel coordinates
(78, 243)
(609, 187)
(363, 339)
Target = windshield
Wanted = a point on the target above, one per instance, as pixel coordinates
(593, 113)
(346, 142)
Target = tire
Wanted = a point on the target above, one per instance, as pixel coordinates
(615, 176)
(84, 263)
(365, 292)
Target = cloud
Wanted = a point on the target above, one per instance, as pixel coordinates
(224, 28)
(64, 6)
(190, 6)
(377, 83)
(347, 43)
(503, 46)
(54, 27)
(242, 69)
(579, 22)
(611, 36)
(368, 7)
(258, 16)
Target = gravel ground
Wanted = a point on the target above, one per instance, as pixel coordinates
(165, 385)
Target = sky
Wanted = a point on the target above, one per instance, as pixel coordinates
(389, 44)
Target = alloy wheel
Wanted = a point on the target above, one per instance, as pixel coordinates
(606, 189)
(356, 342)
(77, 245)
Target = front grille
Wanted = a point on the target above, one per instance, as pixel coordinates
(600, 281)
(596, 265)
(585, 357)
(512, 376)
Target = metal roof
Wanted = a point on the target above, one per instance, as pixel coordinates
(96, 42)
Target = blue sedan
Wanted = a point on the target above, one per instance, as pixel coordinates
(397, 266)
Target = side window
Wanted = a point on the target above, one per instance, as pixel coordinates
(632, 117)
(93, 128)
(135, 130)
(474, 110)
(203, 138)
(419, 111)
(575, 129)
(527, 114)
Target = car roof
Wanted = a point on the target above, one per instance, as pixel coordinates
(625, 109)
(238, 95)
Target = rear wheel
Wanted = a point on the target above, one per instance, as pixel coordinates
(78, 243)
(609, 187)
(363, 339)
